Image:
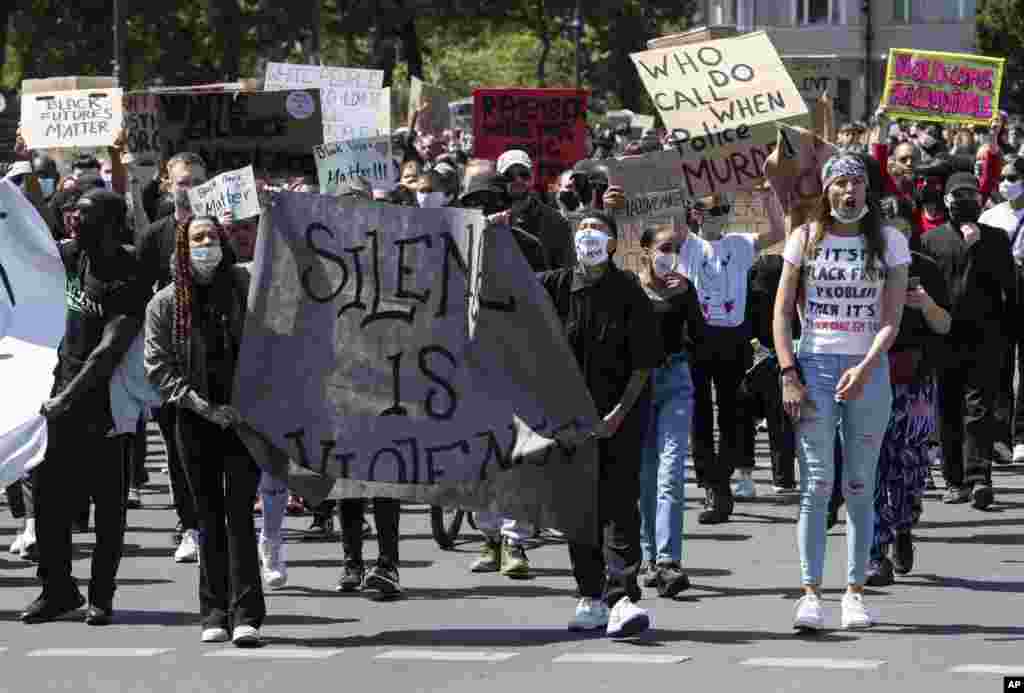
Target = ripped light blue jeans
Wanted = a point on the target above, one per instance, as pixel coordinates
(861, 424)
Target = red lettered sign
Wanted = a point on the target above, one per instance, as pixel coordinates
(548, 124)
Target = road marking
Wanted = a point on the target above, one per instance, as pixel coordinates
(447, 655)
(814, 663)
(100, 652)
(610, 658)
(995, 669)
(274, 653)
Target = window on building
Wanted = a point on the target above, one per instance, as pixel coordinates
(817, 11)
(918, 11)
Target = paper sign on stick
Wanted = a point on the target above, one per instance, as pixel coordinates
(84, 118)
(233, 190)
(438, 118)
(368, 158)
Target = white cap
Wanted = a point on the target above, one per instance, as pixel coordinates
(19, 168)
(513, 157)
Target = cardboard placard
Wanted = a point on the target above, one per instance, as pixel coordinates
(368, 158)
(81, 118)
(436, 120)
(650, 183)
(548, 124)
(946, 87)
(231, 190)
(142, 125)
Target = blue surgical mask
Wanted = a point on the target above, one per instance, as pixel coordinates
(47, 185)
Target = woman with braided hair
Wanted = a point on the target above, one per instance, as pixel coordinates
(193, 334)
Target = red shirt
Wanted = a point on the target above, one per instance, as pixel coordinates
(922, 224)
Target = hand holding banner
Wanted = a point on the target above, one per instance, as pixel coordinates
(947, 87)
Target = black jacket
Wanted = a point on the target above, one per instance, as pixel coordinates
(549, 227)
(981, 280)
(154, 246)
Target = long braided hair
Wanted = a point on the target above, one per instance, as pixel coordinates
(183, 284)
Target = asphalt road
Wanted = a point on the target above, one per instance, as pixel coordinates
(955, 624)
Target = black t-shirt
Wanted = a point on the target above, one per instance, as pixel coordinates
(678, 317)
(914, 330)
(221, 346)
(765, 276)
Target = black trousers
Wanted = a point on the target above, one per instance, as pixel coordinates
(21, 497)
(135, 450)
(184, 505)
(1018, 408)
(765, 399)
(223, 479)
(969, 386)
(386, 513)
(80, 463)
(721, 360)
(609, 570)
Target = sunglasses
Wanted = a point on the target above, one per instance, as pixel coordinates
(1010, 179)
(520, 173)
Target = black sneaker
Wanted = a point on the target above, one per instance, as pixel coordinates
(383, 578)
(903, 553)
(49, 608)
(982, 496)
(880, 573)
(671, 580)
(1002, 453)
(648, 574)
(956, 494)
(352, 575)
(321, 529)
(718, 507)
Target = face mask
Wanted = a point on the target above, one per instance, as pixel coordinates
(1011, 191)
(431, 200)
(569, 199)
(846, 216)
(108, 179)
(592, 247)
(664, 263)
(205, 261)
(962, 211)
(47, 185)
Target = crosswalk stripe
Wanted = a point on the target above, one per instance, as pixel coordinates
(995, 669)
(274, 653)
(611, 658)
(813, 663)
(447, 655)
(100, 652)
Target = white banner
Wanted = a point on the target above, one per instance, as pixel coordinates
(83, 118)
(233, 190)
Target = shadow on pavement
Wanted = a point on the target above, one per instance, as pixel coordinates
(33, 581)
(687, 536)
(132, 617)
(950, 629)
(993, 539)
(338, 563)
(924, 524)
(931, 580)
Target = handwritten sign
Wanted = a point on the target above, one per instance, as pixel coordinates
(548, 124)
(83, 118)
(651, 183)
(438, 118)
(368, 158)
(947, 87)
(142, 125)
(233, 191)
(354, 103)
(433, 367)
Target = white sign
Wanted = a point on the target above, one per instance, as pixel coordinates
(84, 118)
(368, 158)
(234, 191)
(353, 101)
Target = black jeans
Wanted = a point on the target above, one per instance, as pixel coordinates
(764, 391)
(1018, 407)
(386, 513)
(80, 463)
(184, 505)
(969, 385)
(609, 569)
(721, 360)
(223, 478)
(21, 497)
(135, 450)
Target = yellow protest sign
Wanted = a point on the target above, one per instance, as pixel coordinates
(947, 87)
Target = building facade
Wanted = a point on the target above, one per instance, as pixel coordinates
(842, 46)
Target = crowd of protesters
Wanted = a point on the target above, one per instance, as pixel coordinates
(917, 230)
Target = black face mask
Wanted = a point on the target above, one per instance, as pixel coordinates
(569, 199)
(964, 212)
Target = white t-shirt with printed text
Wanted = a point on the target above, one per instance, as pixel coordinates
(841, 305)
(719, 271)
(1005, 217)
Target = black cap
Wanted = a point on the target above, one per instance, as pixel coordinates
(484, 183)
(961, 181)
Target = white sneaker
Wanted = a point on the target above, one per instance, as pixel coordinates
(591, 614)
(188, 549)
(809, 615)
(215, 635)
(275, 571)
(627, 619)
(855, 614)
(744, 488)
(246, 636)
(1018, 453)
(19, 541)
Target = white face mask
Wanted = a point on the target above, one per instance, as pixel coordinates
(664, 263)
(846, 216)
(431, 200)
(1010, 191)
(206, 260)
(592, 247)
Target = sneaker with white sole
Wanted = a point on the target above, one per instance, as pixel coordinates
(745, 488)
(591, 614)
(215, 635)
(29, 548)
(855, 614)
(1018, 453)
(627, 619)
(19, 541)
(188, 549)
(246, 636)
(809, 615)
(275, 571)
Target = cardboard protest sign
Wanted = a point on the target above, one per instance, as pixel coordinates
(548, 124)
(142, 125)
(32, 316)
(354, 103)
(409, 353)
(947, 87)
(232, 190)
(368, 158)
(82, 118)
(651, 183)
(438, 118)
(794, 170)
(275, 132)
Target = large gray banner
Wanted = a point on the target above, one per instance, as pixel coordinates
(411, 353)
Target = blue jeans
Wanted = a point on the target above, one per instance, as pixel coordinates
(861, 424)
(663, 467)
